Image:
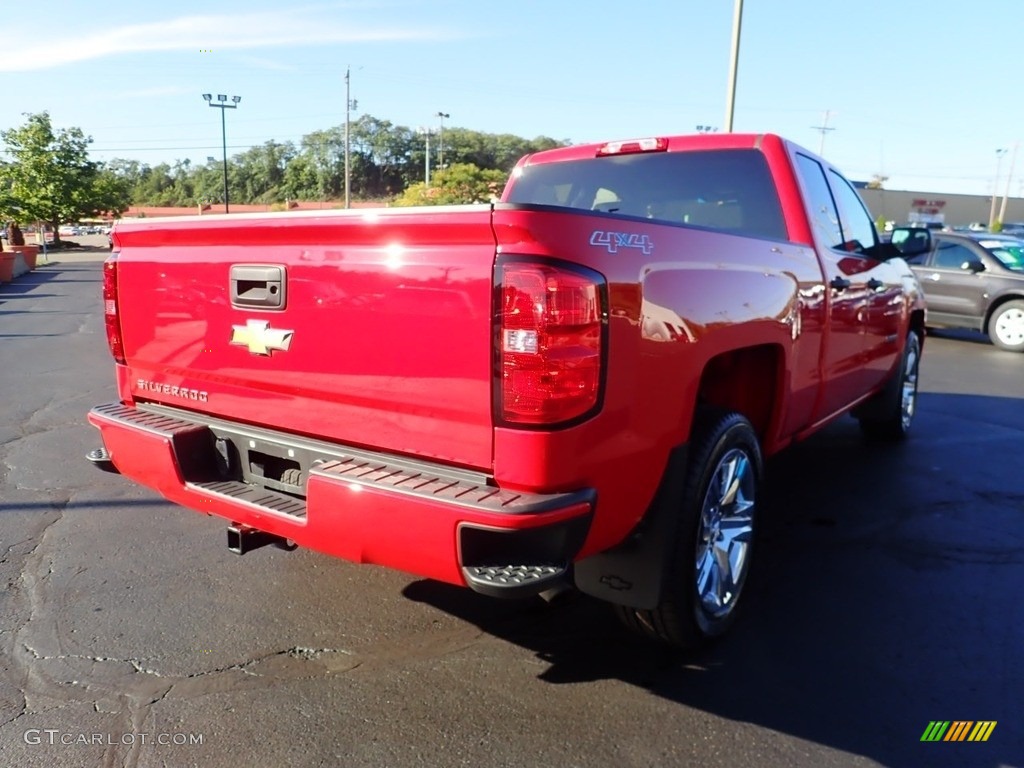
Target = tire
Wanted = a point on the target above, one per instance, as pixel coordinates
(890, 414)
(705, 575)
(1006, 326)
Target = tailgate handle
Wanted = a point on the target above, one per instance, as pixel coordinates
(257, 285)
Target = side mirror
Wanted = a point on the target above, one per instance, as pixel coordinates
(911, 241)
(974, 266)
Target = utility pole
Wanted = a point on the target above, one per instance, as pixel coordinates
(823, 128)
(730, 95)
(1009, 176)
(348, 106)
(426, 164)
(440, 141)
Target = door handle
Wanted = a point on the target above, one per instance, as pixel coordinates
(257, 285)
(875, 284)
(935, 276)
(839, 283)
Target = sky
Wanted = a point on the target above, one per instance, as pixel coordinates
(924, 93)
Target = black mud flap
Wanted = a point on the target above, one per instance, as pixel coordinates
(632, 573)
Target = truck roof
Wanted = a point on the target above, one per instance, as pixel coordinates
(678, 143)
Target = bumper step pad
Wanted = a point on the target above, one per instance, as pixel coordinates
(513, 580)
(261, 498)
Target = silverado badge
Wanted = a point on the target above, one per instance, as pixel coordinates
(260, 338)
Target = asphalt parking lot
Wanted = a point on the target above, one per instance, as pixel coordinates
(885, 596)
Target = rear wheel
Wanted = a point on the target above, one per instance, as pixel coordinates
(1006, 326)
(710, 560)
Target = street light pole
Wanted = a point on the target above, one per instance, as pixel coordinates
(440, 142)
(222, 104)
(737, 22)
(995, 189)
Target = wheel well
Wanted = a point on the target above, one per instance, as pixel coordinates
(746, 381)
(997, 304)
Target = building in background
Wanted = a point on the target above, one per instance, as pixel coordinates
(935, 208)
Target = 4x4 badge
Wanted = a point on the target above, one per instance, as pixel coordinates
(612, 241)
(260, 338)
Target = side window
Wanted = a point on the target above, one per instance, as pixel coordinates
(820, 206)
(952, 256)
(858, 231)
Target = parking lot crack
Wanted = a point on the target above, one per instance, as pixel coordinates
(277, 661)
(21, 713)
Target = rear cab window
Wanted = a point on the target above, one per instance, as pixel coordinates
(731, 190)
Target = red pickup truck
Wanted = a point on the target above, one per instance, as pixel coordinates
(574, 386)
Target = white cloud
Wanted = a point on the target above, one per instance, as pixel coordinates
(144, 93)
(217, 32)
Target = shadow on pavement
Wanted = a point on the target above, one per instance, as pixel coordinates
(103, 504)
(885, 595)
(961, 334)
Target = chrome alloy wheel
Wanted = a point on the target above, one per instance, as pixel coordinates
(725, 534)
(1009, 327)
(908, 395)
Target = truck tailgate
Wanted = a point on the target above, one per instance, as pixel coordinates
(368, 328)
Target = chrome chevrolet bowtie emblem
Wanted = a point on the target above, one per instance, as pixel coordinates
(260, 338)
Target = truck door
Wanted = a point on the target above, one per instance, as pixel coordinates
(880, 281)
(846, 291)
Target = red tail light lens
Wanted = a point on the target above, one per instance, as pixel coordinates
(551, 323)
(113, 322)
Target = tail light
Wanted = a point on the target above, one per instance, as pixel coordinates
(551, 329)
(110, 316)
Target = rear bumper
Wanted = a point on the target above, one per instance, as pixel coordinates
(365, 507)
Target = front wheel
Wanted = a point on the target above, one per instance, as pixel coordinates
(891, 413)
(1006, 326)
(704, 578)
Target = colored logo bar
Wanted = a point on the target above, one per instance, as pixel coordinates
(958, 730)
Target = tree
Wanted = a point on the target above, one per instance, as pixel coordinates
(455, 185)
(51, 178)
(379, 152)
(111, 192)
(154, 186)
(877, 181)
(383, 160)
(258, 174)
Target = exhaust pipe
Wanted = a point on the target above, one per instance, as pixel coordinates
(243, 538)
(560, 594)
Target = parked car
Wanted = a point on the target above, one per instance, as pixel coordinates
(972, 280)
